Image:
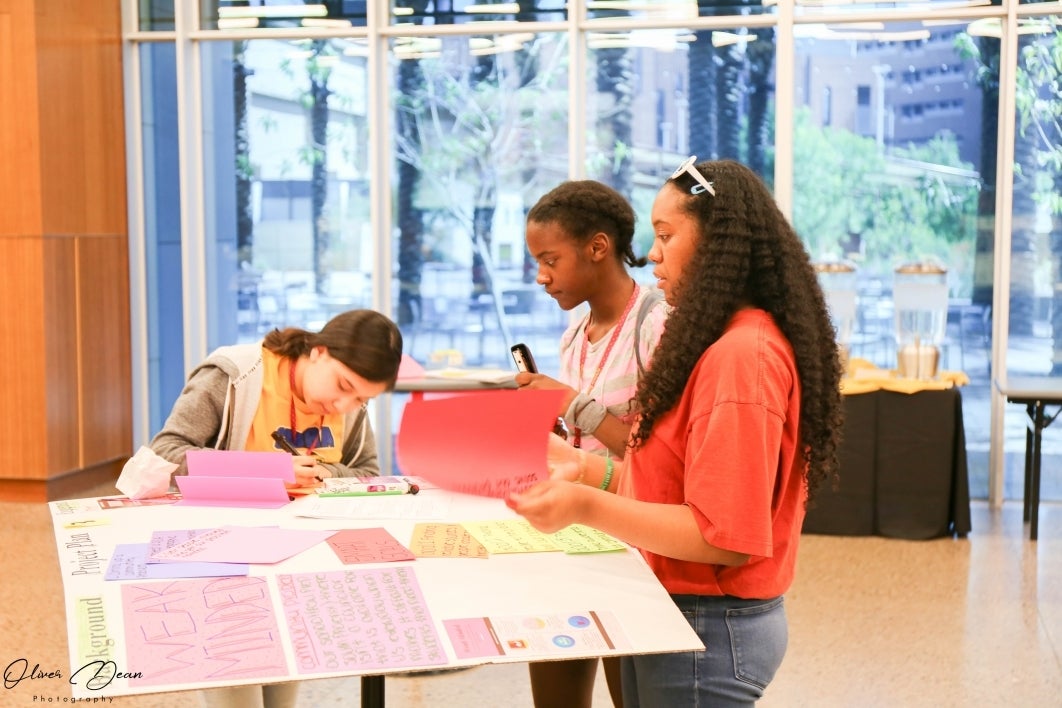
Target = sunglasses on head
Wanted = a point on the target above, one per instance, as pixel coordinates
(702, 185)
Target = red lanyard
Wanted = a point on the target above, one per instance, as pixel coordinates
(291, 380)
(578, 434)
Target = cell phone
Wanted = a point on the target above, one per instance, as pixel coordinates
(522, 357)
(284, 444)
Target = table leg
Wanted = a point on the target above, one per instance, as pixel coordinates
(372, 692)
(1030, 411)
(1034, 489)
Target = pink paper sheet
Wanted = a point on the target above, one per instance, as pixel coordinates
(374, 545)
(356, 620)
(240, 463)
(240, 478)
(183, 631)
(244, 544)
(409, 368)
(486, 443)
(247, 492)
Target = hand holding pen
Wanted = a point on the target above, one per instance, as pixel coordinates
(308, 473)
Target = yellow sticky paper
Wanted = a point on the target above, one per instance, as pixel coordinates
(85, 522)
(437, 540)
(584, 539)
(510, 536)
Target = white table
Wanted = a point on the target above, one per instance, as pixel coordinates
(616, 587)
(1036, 394)
(451, 384)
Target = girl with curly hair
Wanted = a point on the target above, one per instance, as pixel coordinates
(740, 417)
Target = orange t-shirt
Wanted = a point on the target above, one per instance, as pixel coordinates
(324, 433)
(729, 450)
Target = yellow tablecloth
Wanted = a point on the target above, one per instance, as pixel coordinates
(864, 377)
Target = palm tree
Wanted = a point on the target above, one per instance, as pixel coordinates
(242, 149)
(985, 53)
(410, 83)
(703, 119)
(760, 55)
(614, 77)
(410, 218)
(729, 96)
(319, 74)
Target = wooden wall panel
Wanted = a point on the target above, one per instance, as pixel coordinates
(19, 141)
(63, 231)
(106, 371)
(81, 117)
(22, 378)
(60, 316)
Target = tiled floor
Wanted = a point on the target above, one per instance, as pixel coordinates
(873, 622)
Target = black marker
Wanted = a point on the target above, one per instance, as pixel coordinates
(286, 446)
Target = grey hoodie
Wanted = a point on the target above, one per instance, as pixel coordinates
(217, 406)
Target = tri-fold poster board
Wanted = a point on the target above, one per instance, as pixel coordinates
(171, 596)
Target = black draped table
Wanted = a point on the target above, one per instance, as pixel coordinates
(903, 470)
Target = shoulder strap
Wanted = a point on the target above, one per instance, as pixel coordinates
(655, 295)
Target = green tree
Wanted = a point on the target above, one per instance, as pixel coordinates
(242, 149)
(854, 201)
(836, 169)
(409, 84)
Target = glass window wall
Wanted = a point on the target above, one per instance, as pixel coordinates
(894, 143)
(287, 209)
(349, 156)
(1034, 336)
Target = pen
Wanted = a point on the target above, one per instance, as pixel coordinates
(283, 442)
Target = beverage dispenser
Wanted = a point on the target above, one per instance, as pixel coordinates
(920, 299)
(838, 282)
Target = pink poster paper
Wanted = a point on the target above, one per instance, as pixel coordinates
(190, 631)
(374, 545)
(359, 620)
(490, 443)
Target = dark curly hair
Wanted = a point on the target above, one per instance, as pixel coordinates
(365, 341)
(748, 255)
(585, 207)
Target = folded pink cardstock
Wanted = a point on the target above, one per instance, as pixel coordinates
(236, 478)
(489, 443)
(240, 463)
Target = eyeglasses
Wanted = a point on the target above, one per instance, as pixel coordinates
(703, 185)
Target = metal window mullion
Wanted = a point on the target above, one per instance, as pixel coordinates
(1008, 71)
(578, 61)
(381, 154)
(137, 259)
(192, 184)
(784, 93)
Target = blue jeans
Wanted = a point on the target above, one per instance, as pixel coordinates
(744, 642)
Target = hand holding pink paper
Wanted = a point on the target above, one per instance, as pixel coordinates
(491, 443)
